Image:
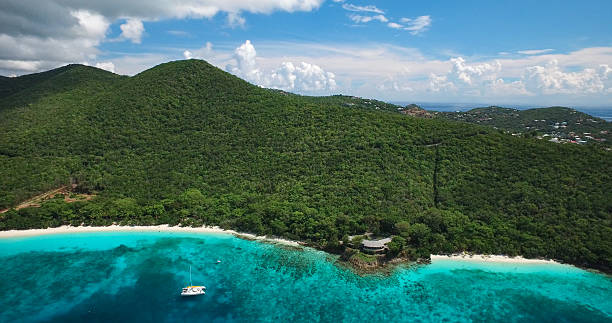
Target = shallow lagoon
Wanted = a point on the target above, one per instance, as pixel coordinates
(137, 276)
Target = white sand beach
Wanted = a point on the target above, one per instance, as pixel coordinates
(491, 258)
(155, 228)
(215, 229)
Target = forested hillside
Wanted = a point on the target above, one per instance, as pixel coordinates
(185, 142)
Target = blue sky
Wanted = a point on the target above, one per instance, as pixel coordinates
(495, 52)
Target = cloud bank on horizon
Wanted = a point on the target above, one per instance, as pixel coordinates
(386, 50)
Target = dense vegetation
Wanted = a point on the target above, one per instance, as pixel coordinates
(559, 122)
(185, 143)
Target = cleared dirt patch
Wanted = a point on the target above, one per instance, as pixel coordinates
(69, 197)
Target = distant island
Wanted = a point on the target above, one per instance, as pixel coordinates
(555, 124)
(187, 144)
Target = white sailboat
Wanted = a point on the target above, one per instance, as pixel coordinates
(193, 290)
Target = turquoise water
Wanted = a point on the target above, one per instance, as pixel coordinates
(117, 277)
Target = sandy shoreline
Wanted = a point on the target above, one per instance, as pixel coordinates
(153, 228)
(492, 258)
(218, 230)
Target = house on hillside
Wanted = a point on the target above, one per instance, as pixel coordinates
(375, 246)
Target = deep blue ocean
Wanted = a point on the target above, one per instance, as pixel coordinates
(137, 277)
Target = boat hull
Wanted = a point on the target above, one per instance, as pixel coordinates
(193, 291)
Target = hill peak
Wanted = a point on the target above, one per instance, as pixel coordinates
(27, 88)
(192, 77)
(182, 66)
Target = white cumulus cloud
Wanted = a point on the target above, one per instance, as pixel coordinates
(90, 24)
(303, 77)
(479, 72)
(205, 52)
(551, 79)
(476, 80)
(109, 66)
(245, 56)
(132, 29)
(489, 79)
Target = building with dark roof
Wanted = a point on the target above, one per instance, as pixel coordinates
(375, 246)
